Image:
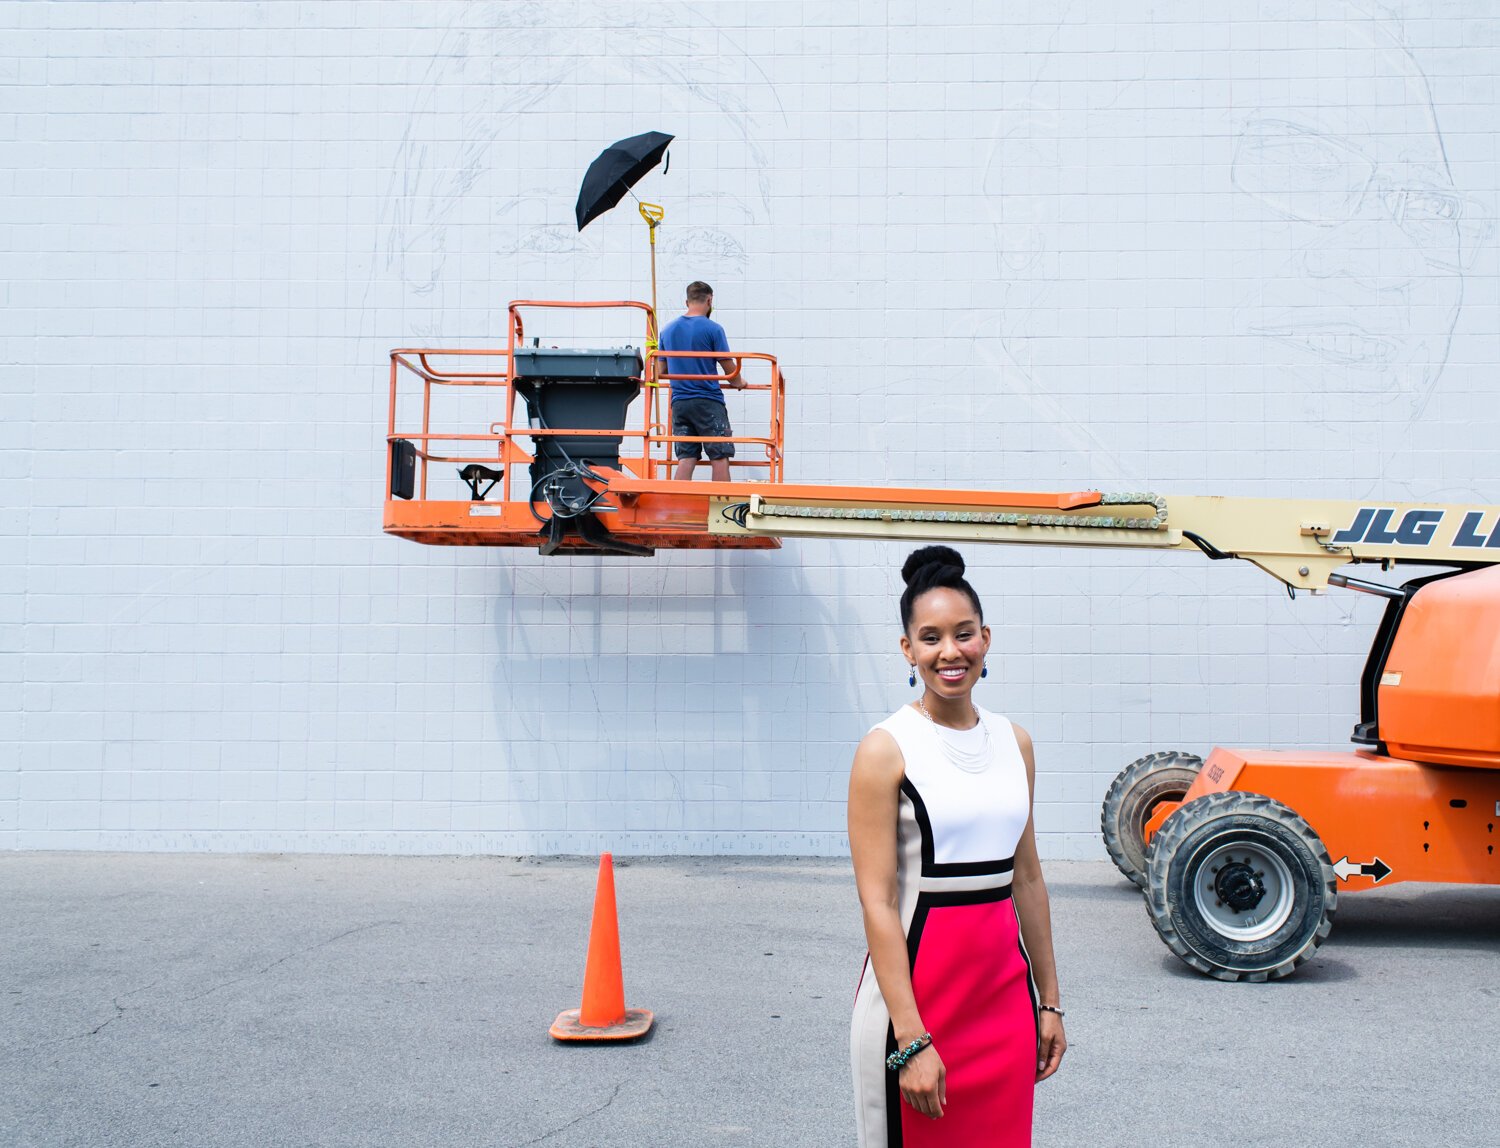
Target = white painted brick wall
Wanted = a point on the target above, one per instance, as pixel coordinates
(1050, 245)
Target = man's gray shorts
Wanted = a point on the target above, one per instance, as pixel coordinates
(701, 417)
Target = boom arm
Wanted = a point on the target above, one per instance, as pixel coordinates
(556, 482)
(1299, 542)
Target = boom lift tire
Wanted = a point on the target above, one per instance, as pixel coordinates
(1134, 793)
(1240, 887)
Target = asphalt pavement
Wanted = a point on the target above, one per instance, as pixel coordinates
(377, 1001)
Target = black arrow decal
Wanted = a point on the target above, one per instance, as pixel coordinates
(1377, 869)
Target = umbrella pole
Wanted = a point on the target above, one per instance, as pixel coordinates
(653, 214)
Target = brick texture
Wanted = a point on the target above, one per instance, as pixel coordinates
(1048, 245)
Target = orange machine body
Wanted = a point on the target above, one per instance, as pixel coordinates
(1439, 688)
(1422, 802)
(1382, 819)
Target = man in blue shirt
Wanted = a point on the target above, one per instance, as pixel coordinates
(698, 406)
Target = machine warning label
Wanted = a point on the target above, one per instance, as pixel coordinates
(1391, 679)
(1376, 868)
(1379, 526)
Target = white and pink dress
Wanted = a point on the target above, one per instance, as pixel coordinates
(964, 805)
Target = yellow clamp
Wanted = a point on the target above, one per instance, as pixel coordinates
(653, 214)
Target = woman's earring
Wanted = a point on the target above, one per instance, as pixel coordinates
(912, 678)
(984, 670)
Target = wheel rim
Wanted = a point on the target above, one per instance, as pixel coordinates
(1242, 888)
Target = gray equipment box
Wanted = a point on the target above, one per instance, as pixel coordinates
(576, 390)
(559, 365)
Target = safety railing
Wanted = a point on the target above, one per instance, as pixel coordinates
(434, 369)
(422, 363)
(658, 371)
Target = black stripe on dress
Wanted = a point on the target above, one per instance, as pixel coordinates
(1031, 990)
(924, 823)
(893, 1137)
(969, 868)
(962, 897)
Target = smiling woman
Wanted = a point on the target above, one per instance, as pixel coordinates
(961, 1017)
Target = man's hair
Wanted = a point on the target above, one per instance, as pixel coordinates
(699, 292)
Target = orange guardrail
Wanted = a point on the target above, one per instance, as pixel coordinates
(433, 368)
(771, 442)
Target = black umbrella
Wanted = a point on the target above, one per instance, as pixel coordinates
(615, 171)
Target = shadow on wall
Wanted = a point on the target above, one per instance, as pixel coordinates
(676, 699)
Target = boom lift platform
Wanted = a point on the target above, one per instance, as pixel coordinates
(1236, 852)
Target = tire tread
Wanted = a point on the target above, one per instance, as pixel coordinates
(1111, 823)
(1189, 818)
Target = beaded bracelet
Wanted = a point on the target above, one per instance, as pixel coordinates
(897, 1060)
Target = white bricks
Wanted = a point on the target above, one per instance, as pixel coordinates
(993, 245)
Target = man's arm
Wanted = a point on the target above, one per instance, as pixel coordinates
(730, 367)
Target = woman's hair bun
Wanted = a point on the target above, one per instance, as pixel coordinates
(918, 560)
(933, 568)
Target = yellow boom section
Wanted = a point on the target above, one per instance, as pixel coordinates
(1300, 542)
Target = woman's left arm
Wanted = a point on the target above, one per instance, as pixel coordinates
(1035, 913)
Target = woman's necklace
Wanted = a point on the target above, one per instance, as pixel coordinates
(970, 761)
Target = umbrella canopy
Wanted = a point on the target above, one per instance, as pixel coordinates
(615, 171)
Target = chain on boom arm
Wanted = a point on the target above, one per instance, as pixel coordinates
(1299, 542)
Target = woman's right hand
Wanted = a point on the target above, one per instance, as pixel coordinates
(924, 1082)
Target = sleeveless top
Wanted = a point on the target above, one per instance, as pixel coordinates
(958, 824)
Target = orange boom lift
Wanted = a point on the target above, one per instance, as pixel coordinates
(1241, 854)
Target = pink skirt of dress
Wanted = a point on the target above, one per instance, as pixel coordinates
(972, 981)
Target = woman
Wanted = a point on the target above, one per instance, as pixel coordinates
(961, 1018)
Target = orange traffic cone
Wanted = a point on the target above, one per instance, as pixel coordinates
(603, 1015)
